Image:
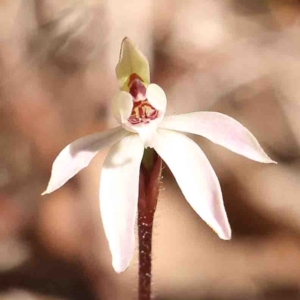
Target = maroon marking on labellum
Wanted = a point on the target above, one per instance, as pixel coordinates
(142, 111)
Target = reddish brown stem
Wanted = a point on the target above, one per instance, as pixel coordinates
(148, 195)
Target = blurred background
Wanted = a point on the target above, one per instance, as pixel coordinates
(57, 60)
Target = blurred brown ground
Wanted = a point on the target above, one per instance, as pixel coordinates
(57, 59)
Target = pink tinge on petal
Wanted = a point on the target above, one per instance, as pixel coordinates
(220, 129)
(195, 177)
(119, 196)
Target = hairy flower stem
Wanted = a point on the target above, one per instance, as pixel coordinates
(150, 175)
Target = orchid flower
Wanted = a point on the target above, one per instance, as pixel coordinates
(139, 108)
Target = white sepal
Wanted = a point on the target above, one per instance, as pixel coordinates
(77, 155)
(195, 177)
(119, 186)
(220, 129)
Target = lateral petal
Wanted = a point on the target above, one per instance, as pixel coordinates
(77, 155)
(195, 177)
(118, 198)
(122, 106)
(156, 97)
(220, 129)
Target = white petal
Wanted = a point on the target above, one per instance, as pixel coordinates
(195, 177)
(122, 107)
(118, 198)
(77, 155)
(220, 129)
(156, 97)
(131, 61)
